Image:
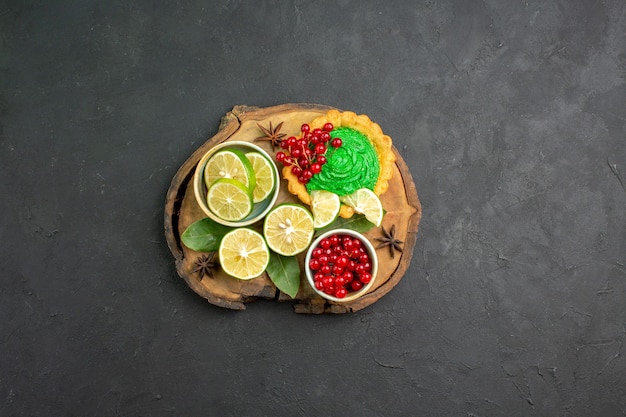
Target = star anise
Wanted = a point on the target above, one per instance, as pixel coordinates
(204, 265)
(272, 134)
(389, 239)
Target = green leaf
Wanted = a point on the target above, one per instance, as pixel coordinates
(204, 235)
(284, 272)
(357, 222)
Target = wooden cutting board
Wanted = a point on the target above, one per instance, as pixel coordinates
(401, 203)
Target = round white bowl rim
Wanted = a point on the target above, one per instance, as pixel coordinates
(371, 250)
(198, 188)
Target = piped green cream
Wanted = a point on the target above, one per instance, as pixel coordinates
(352, 166)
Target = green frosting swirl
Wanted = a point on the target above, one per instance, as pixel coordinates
(352, 166)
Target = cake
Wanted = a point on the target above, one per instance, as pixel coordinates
(364, 159)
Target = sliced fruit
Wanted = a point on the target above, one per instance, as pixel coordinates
(229, 199)
(229, 163)
(325, 207)
(364, 201)
(243, 253)
(288, 229)
(264, 175)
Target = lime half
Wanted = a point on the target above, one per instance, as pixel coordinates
(365, 202)
(325, 207)
(263, 174)
(229, 163)
(229, 199)
(243, 253)
(288, 229)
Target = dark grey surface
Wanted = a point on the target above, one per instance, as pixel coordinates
(510, 114)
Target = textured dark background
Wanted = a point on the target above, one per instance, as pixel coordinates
(510, 114)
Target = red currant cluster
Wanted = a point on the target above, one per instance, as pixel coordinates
(340, 265)
(307, 154)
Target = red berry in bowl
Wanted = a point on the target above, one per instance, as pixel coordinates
(351, 265)
(334, 260)
(365, 277)
(356, 285)
(330, 290)
(314, 264)
(328, 281)
(364, 258)
(340, 281)
(328, 127)
(336, 142)
(337, 270)
(341, 292)
(342, 261)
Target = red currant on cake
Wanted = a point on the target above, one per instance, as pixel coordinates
(307, 154)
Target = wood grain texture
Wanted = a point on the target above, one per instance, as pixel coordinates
(400, 201)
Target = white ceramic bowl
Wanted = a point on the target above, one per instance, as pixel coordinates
(373, 260)
(259, 210)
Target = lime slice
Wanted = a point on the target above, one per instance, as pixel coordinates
(229, 199)
(264, 175)
(325, 207)
(364, 201)
(288, 229)
(229, 163)
(243, 253)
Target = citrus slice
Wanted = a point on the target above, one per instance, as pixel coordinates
(229, 163)
(366, 202)
(288, 229)
(229, 199)
(263, 174)
(243, 253)
(325, 207)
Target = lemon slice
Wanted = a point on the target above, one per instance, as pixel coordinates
(364, 201)
(229, 163)
(288, 229)
(229, 199)
(325, 207)
(243, 253)
(264, 175)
